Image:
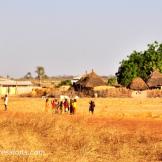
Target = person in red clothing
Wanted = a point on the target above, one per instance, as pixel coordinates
(53, 104)
(66, 106)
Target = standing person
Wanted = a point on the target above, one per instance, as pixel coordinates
(53, 105)
(91, 106)
(57, 106)
(71, 107)
(66, 106)
(47, 105)
(6, 101)
(61, 106)
(74, 106)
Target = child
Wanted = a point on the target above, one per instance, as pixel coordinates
(61, 106)
(74, 106)
(71, 107)
(47, 106)
(66, 106)
(91, 106)
(53, 105)
(6, 102)
(57, 106)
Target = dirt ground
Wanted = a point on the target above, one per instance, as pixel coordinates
(121, 130)
(123, 112)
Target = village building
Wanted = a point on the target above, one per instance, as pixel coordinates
(75, 79)
(138, 84)
(13, 87)
(89, 82)
(155, 80)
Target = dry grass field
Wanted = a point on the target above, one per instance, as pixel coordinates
(121, 130)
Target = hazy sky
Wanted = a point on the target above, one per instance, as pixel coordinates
(71, 36)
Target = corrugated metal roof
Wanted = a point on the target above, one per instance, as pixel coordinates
(7, 82)
(23, 83)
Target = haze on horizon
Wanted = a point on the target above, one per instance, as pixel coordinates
(70, 37)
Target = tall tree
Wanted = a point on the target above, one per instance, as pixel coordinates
(40, 72)
(140, 64)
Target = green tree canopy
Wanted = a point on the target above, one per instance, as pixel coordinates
(65, 83)
(140, 64)
(112, 81)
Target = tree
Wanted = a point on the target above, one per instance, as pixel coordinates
(40, 72)
(140, 64)
(112, 81)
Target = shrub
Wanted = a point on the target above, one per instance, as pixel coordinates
(65, 83)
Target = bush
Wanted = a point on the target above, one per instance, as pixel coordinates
(112, 81)
(65, 83)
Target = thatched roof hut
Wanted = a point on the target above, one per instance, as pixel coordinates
(155, 79)
(138, 84)
(90, 81)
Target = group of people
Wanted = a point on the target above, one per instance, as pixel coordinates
(58, 106)
(68, 106)
(61, 106)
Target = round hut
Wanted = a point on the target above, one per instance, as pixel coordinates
(155, 80)
(138, 84)
(89, 81)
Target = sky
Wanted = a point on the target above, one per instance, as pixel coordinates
(69, 37)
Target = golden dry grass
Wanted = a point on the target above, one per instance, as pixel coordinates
(109, 107)
(122, 130)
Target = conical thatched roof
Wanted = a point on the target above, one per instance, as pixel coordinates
(91, 80)
(155, 79)
(138, 84)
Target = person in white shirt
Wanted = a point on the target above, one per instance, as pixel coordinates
(6, 102)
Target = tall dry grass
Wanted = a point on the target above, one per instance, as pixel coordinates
(122, 130)
(65, 138)
(108, 107)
